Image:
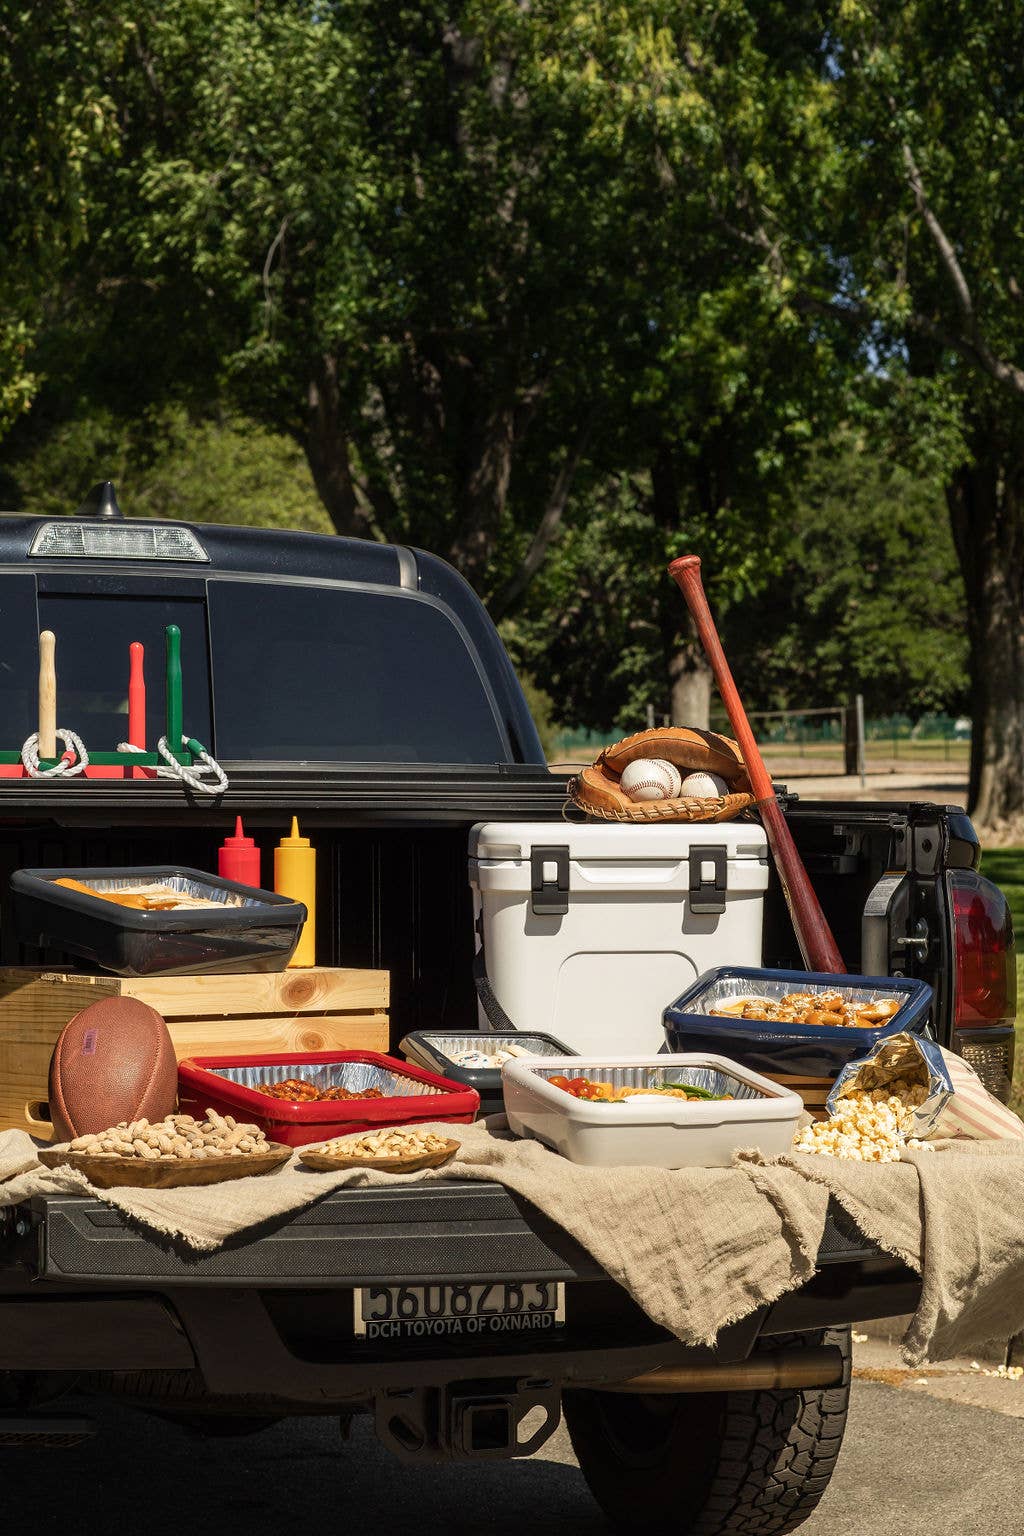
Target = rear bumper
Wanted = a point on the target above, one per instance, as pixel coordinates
(272, 1317)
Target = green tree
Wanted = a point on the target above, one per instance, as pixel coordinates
(463, 257)
(220, 468)
(868, 598)
(856, 590)
(925, 222)
(57, 122)
(387, 233)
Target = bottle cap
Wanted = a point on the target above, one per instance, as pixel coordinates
(293, 840)
(239, 839)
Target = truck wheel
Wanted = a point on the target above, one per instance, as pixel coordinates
(712, 1464)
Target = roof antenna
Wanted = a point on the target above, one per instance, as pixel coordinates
(101, 502)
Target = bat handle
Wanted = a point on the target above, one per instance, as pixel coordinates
(174, 709)
(136, 694)
(47, 694)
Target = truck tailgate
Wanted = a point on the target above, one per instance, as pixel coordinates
(407, 1235)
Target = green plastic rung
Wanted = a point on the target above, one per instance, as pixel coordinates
(112, 759)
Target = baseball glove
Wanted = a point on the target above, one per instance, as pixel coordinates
(596, 790)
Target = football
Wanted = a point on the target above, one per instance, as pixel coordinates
(113, 1061)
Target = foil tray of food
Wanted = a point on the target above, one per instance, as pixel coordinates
(685, 1110)
(298, 1099)
(157, 920)
(477, 1059)
(794, 1022)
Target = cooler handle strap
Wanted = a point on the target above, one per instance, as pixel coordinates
(493, 1011)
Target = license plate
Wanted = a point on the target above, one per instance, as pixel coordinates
(492, 1310)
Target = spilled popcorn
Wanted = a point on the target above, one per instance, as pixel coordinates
(868, 1127)
(1003, 1372)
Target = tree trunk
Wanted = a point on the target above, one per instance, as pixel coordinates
(690, 686)
(689, 675)
(986, 503)
(544, 534)
(326, 445)
(484, 494)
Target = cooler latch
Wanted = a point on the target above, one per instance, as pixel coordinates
(708, 888)
(549, 881)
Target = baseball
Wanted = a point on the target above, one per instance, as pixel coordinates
(650, 778)
(704, 786)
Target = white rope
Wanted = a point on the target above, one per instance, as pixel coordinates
(190, 776)
(62, 770)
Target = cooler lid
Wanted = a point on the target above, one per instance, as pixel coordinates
(611, 841)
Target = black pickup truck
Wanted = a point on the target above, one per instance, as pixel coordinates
(364, 688)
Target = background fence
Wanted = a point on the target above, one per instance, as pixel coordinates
(822, 739)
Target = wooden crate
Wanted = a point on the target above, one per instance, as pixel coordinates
(302, 1010)
(813, 1090)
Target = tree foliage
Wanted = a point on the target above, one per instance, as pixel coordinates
(462, 256)
(217, 468)
(927, 118)
(868, 598)
(57, 123)
(857, 590)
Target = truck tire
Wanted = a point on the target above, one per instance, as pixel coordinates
(712, 1464)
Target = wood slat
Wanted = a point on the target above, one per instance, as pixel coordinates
(320, 989)
(265, 1035)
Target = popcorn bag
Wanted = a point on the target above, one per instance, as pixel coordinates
(944, 1097)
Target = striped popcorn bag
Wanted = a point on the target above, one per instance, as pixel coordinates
(971, 1111)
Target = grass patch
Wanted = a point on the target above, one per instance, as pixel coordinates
(1005, 866)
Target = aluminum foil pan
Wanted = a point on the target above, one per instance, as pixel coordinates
(729, 989)
(185, 884)
(710, 1078)
(451, 1046)
(356, 1076)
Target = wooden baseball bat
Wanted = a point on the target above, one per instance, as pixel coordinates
(47, 695)
(817, 946)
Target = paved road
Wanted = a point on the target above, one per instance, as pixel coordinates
(912, 1464)
(944, 783)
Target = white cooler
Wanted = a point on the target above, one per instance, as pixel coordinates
(590, 931)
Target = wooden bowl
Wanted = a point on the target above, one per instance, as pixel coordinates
(328, 1162)
(148, 1173)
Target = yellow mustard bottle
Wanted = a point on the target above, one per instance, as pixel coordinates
(295, 876)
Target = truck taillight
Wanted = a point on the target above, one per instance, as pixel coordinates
(985, 979)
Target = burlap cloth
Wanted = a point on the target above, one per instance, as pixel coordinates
(696, 1248)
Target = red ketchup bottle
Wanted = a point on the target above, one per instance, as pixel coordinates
(238, 858)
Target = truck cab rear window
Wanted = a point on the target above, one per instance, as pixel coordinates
(93, 635)
(307, 673)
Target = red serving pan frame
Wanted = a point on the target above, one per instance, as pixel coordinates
(299, 1125)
